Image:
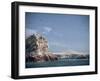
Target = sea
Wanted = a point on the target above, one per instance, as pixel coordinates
(58, 63)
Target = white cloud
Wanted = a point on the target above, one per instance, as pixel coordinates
(29, 32)
(47, 29)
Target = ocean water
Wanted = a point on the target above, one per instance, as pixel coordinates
(58, 63)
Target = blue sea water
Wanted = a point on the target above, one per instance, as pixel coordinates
(57, 63)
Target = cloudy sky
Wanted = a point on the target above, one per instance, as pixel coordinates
(63, 31)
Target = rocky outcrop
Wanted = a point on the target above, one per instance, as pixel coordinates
(41, 58)
(37, 49)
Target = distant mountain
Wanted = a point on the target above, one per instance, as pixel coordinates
(69, 52)
(72, 54)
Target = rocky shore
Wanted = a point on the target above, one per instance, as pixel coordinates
(41, 58)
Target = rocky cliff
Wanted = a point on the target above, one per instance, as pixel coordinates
(37, 49)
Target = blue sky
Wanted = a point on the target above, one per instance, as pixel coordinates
(63, 31)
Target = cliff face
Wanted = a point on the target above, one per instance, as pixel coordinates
(30, 44)
(37, 49)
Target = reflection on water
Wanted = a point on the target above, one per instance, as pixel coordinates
(57, 63)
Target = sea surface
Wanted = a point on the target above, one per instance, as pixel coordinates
(58, 63)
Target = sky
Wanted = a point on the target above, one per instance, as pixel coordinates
(63, 31)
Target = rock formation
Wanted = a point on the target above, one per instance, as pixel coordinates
(37, 49)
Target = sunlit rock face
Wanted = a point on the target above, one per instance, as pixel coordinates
(42, 44)
(37, 49)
